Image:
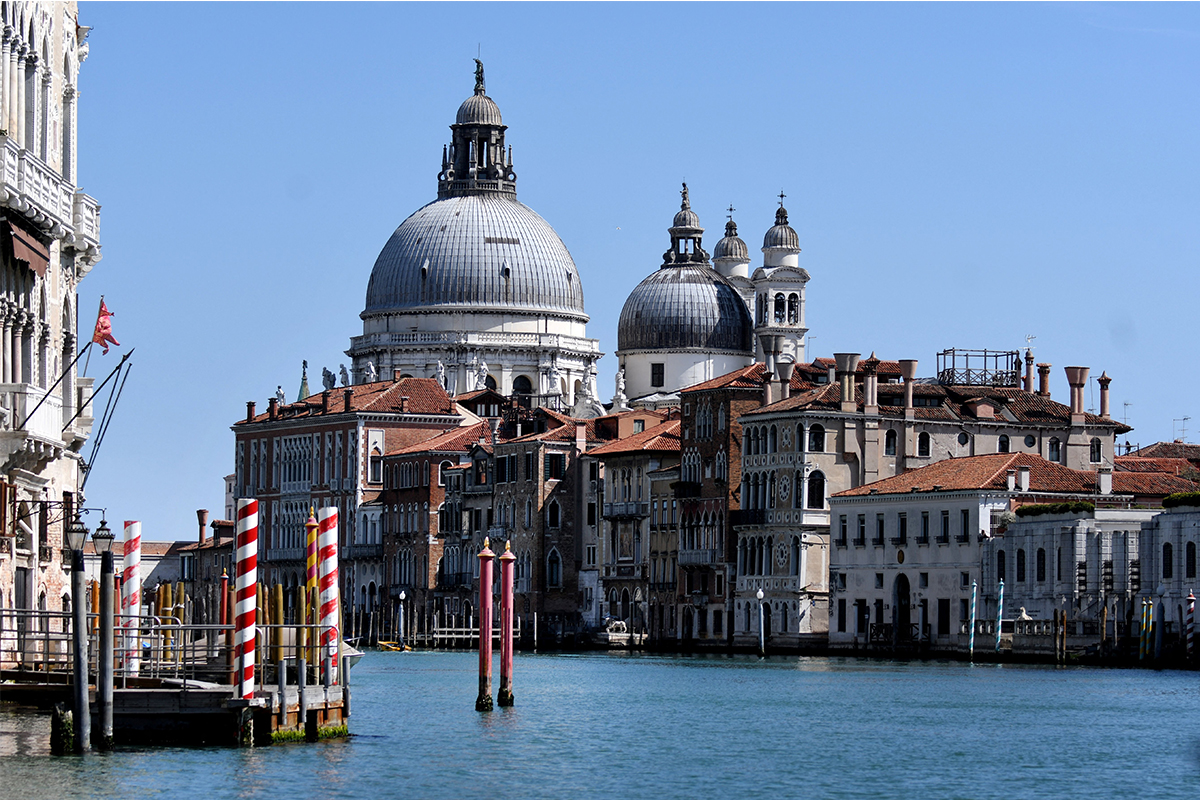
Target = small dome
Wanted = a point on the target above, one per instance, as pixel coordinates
(686, 218)
(685, 307)
(731, 246)
(782, 234)
(478, 109)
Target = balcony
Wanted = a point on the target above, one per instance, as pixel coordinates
(752, 516)
(877, 541)
(474, 488)
(860, 541)
(276, 554)
(628, 510)
(636, 571)
(33, 441)
(686, 489)
(962, 538)
(355, 551)
(455, 580)
(840, 542)
(923, 540)
(899, 541)
(697, 557)
(33, 187)
(944, 539)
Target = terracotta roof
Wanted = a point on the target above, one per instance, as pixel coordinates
(1150, 483)
(425, 396)
(1191, 452)
(209, 543)
(986, 472)
(459, 440)
(750, 377)
(1169, 466)
(563, 433)
(660, 438)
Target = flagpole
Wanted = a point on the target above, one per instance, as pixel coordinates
(50, 391)
(98, 388)
(89, 358)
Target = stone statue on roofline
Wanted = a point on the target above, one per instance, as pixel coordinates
(372, 373)
(620, 402)
(279, 396)
(440, 373)
(328, 379)
(345, 376)
(481, 375)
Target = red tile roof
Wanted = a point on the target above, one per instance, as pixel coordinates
(661, 438)
(1169, 466)
(1191, 452)
(425, 396)
(1150, 483)
(459, 440)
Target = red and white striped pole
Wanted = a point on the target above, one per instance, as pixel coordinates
(507, 562)
(1190, 623)
(245, 587)
(484, 701)
(327, 542)
(131, 595)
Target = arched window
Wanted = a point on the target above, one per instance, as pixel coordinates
(1020, 565)
(522, 385)
(1054, 451)
(816, 490)
(780, 310)
(552, 514)
(1040, 566)
(1097, 454)
(889, 443)
(553, 569)
(999, 565)
(1002, 444)
(1189, 560)
(1168, 561)
(721, 418)
(923, 445)
(773, 440)
(793, 308)
(800, 437)
(816, 439)
(797, 500)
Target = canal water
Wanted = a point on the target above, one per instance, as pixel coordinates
(641, 726)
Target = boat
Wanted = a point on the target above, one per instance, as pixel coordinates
(394, 647)
(351, 653)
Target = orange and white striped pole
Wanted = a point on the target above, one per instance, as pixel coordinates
(328, 577)
(131, 595)
(245, 587)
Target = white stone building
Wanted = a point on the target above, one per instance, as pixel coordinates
(1167, 545)
(49, 240)
(475, 289)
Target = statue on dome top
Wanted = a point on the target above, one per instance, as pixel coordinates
(479, 77)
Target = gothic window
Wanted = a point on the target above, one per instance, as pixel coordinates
(553, 514)
(721, 418)
(889, 443)
(773, 440)
(553, 569)
(923, 445)
(793, 308)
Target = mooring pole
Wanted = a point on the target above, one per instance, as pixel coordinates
(79, 641)
(1191, 616)
(507, 561)
(104, 662)
(484, 701)
(971, 636)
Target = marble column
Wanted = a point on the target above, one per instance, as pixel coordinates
(19, 91)
(6, 345)
(31, 103)
(5, 90)
(18, 347)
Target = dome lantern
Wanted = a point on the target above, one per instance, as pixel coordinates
(476, 161)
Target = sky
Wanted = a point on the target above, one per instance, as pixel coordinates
(959, 176)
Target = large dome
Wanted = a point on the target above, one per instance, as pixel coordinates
(688, 306)
(475, 251)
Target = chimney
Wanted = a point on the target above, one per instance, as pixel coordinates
(766, 395)
(325, 402)
(846, 364)
(580, 437)
(785, 378)
(1104, 480)
(1011, 479)
(396, 376)
(249, 411)
(1043, 380)
(1077, 378)
(494, 422)
(1023, 479)
(272, 407)
(347, 395)
(832, 373)
(1029, 371)
(202, 518)
(1104, 381)
(908, 371)
(403, 404)
(453, 406)
(871, 385)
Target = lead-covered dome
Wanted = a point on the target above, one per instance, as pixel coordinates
(781, 234)
(731, 246)
(686, 306)
(476, 250)
(478, 109)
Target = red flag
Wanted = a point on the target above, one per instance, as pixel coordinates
(103, 334)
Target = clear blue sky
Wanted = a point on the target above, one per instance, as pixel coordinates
(959, 175)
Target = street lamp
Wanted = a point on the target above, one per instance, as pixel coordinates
(76, 534)
(102, 540)
(762, 634)
(402, 597)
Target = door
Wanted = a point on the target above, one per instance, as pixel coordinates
(902, 609)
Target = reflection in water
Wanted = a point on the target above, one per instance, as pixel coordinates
(600, 725)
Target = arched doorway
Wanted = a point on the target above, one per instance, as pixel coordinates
(901, 609)
(687, 624)
(766, 622)
(625, 606)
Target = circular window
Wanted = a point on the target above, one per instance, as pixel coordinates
(1029, 440)
(963, 438)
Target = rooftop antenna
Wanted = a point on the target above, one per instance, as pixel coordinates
(1125, 415)
(1182, 428)
(1029, 337)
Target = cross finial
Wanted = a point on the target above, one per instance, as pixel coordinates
(781, 196)
(731, 209)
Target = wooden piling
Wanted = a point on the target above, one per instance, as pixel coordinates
(277, 618)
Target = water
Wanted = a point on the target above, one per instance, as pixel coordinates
(605, 725)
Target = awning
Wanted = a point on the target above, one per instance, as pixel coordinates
(28, 249)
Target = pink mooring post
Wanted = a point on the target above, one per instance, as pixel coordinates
(507, 559)
(246, 595)
(1191, 617)
(484, 701)
(131, 596)
(328, 564)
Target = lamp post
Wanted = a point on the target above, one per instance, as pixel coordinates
(402, 597)
(762, 633)
(102, 540)
(76, 534)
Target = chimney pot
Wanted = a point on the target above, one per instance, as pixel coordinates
(202, 518)
(396, 375)
(1104, 480)
(1011, 479)
(272, 408)
(1043, 380)
(347, 403)
(325, 402)
(249, 411)
(1077, 378)
(403, 404)
(1104, 381)
(1023, 478)
(1028, 371)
